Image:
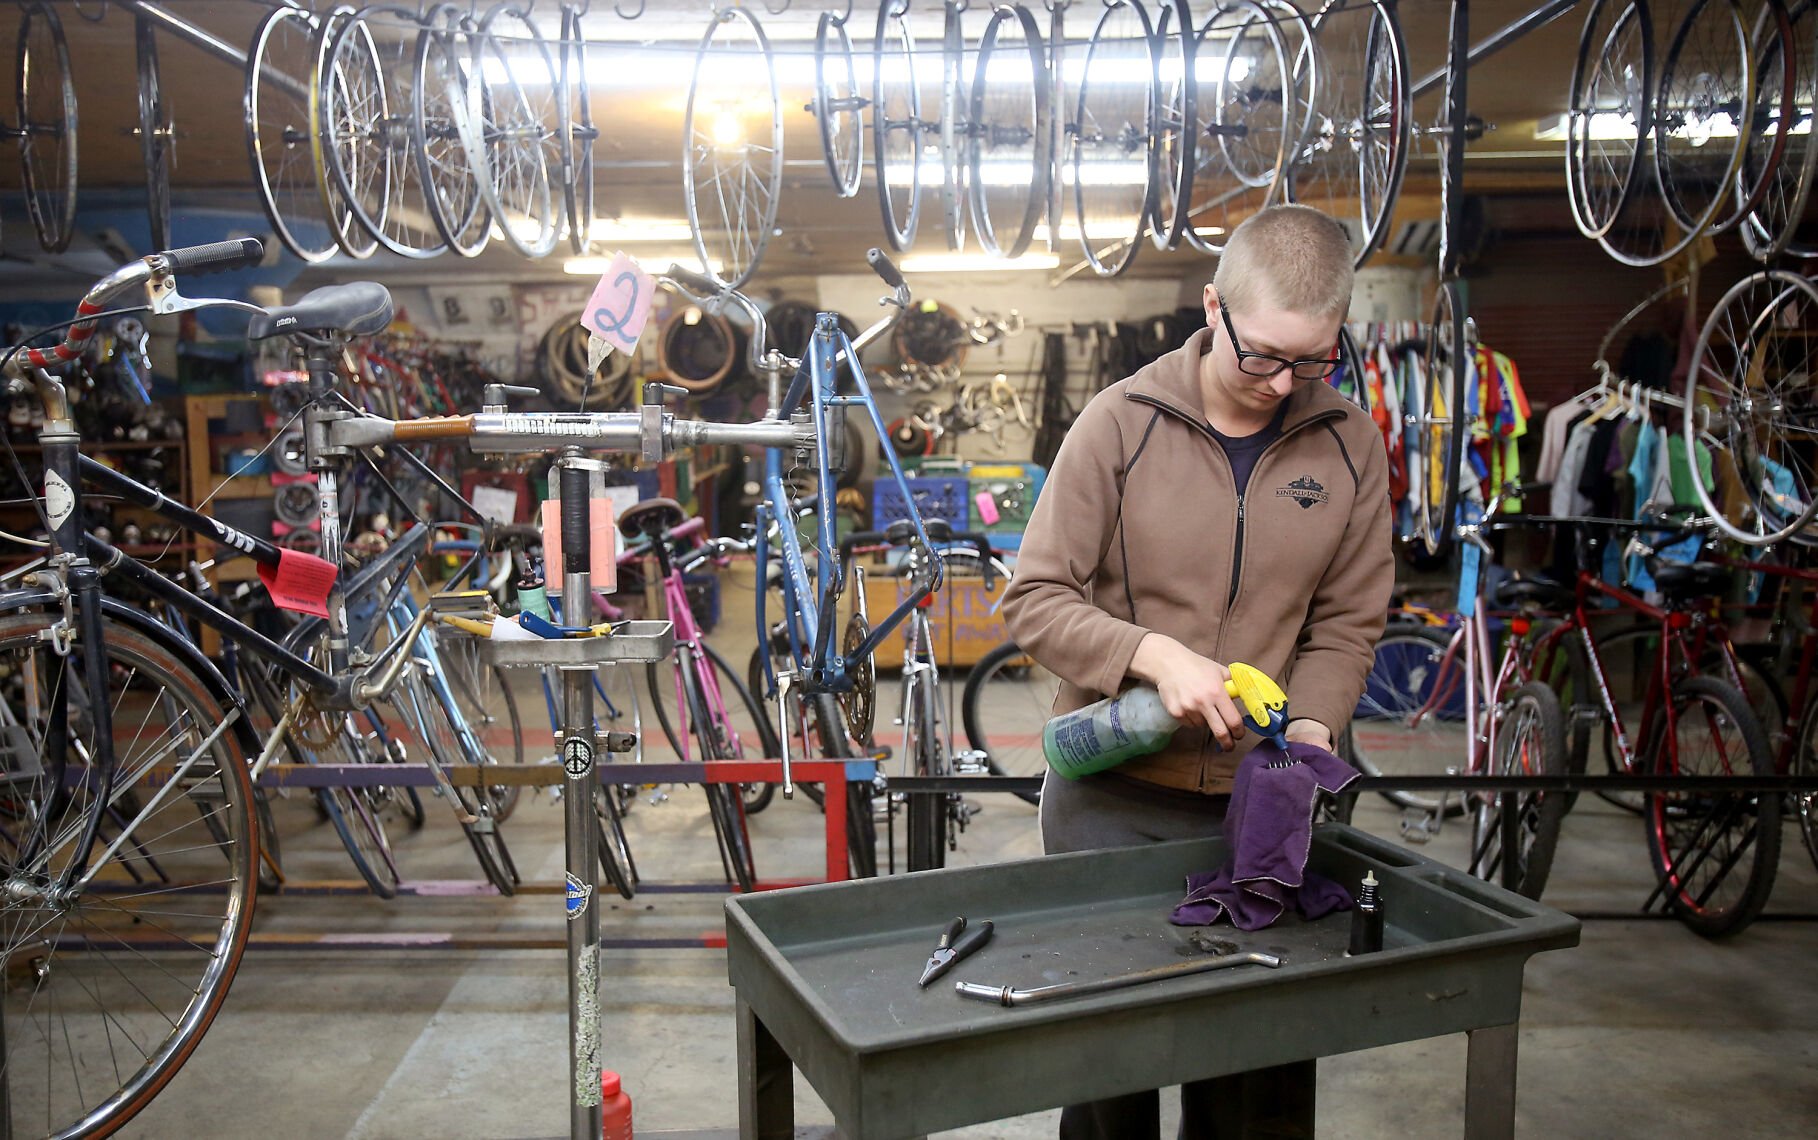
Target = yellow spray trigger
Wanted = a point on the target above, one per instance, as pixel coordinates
(1265, 705)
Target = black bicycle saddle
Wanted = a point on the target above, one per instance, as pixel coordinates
(358, 308)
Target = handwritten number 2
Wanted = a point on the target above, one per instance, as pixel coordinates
(615, 326)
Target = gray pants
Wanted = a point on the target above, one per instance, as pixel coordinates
(1104, 811)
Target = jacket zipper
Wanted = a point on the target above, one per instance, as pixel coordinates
(1237, 553)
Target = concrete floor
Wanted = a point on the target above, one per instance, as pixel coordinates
(1644, 1030)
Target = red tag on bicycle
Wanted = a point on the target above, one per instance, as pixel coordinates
(299, 582)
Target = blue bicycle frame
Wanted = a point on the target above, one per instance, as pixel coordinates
(805, 600)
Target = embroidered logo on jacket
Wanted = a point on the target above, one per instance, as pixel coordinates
(1305, 490)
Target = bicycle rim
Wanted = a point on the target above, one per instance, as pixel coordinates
(1245, 95)
(1769, 117)
(1804, 805)
(1706, 76)
(614, 850)
(1750, 394)
(155, 133)
(1774, 223)
(276, 105)
(111, 989)
(1008, 137)
(47, 140)
(1111, 140)
(1411, 718)
(581, 134)
(1530, 741)
(732, 150)
(1613, 88)
(1717, 854)
(515, 140)
(1007, 701)
(345, 84)
(439, 95)
(956, 141)
(896, 124)
(1442, 418)
(838, 106)
(1177, 124)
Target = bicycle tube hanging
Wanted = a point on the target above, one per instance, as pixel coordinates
(700, 350)
(562, 364)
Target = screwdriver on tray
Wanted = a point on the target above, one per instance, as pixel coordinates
(957, 941)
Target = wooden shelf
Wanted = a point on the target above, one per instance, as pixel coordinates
(237, 487)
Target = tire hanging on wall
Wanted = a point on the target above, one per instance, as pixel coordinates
(699, 350)
(562, 363)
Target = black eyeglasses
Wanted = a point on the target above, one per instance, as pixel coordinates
(1262, 364)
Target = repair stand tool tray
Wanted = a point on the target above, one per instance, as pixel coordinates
(828, 975)
(635, 641)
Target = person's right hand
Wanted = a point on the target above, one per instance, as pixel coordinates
(1192, 687)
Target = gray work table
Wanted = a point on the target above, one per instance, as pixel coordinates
(826, 983)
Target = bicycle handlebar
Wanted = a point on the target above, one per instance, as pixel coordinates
(215, 257)
(882, 265)
(980, 542)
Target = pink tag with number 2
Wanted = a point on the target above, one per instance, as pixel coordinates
(620, 303)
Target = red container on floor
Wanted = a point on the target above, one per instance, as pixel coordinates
(615, 1108)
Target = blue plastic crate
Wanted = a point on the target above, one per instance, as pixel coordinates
(935, 497)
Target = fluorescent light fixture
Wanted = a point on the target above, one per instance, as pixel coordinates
(651, 263)
(639, 229)
(650, 66)
(976, 262)
(1616, 126)
(1008, 172)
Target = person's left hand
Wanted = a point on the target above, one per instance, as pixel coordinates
(1310, 732)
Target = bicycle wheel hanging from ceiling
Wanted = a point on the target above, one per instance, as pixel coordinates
(1610, 111)
(732, 147)
(1751, 397)
(896, 124)
(955, 131)
(1007, 145)
(1112, 138)
(156, 134)
(513, 128)
(334, 87)
(445, 49)
(1771, 225)
(279, 71)
(1702, 112)
(1245, 122)
(46, 130)
(580, 135)
(838, 108)
(1177, 125)
(1351, 164)
(1439, 423)
(1803, 241)
(1769, 116)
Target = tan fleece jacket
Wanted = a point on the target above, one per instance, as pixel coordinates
(1139, 528)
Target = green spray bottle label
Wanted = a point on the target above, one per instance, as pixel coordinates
(1104, 735)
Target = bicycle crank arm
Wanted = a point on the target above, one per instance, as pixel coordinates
(1007, 996)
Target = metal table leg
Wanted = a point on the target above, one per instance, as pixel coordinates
(1490, 1083)
(766, 1079)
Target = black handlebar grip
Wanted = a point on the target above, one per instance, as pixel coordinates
(214, 257)
(577, 537)
(698, 283)
(884, 267)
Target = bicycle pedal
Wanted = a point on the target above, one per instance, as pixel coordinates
(1418, 826)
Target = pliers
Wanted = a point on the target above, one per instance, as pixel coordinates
(956, 942)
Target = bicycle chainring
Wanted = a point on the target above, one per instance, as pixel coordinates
(860, 704)
(311, 726)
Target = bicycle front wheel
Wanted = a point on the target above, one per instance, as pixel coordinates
(120, 953)
(1714, 853)
(1530, 741)
(1009, 692)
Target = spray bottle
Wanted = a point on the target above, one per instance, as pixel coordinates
(1135, 723)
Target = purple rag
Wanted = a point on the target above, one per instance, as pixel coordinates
(1269, 829)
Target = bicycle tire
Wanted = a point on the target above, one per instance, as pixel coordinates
(579, 134)
(1769, 118)
(756, 169)
(443, 731)
(1764, 321)
(361, 831)
(955, 132)
(484, 694)
(1691, 902)
(277, 133)
(1005, 211)
(615, 858)
(1442, 424)
(46, 111)
(1685, 105)
(724, 807)
(928, 815)
(1025, 702)
(1099, 145)
(195, 939)
(1530, 742)
(1177, 124)
(155, 132)
(896, 124)
(1410, 672)
(439, 100)
(1621, 34)
(1804, 762)
(838, 108)
(756, 797)
(511, 139)
(335, 84)
(1772, 226)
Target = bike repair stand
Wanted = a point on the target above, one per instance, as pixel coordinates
(579, 658)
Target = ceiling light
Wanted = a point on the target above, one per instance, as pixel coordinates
(1009, 172)
(649, 262)
(639, 229)
(976, 262)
